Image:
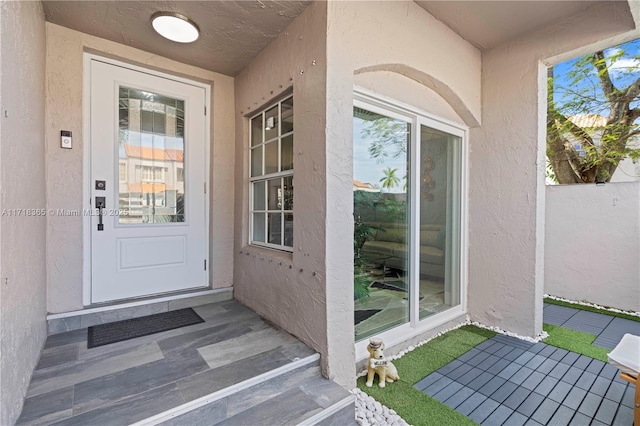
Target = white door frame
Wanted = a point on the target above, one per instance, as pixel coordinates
(86, 157)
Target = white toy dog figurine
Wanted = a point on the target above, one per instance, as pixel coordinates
(379, 364)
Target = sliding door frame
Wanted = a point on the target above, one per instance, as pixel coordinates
(459, 234)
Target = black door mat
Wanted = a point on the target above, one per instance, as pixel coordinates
(105, 334)
(362, 315)
(395, 285)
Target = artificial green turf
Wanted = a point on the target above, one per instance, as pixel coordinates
(415, 406)
(574, 341)
(591, 309)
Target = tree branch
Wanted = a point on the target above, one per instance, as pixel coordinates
(601, 65)
(633, 90)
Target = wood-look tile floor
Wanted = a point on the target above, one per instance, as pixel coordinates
(129, 381)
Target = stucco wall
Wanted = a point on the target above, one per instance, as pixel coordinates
(290, 288)
(507, 191)
(363, 38)
(592, 243)
(64, 167)
(22, 186)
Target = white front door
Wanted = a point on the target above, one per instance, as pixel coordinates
(148, 170)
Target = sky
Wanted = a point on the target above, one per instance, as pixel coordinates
(623, 72)
(367, 169)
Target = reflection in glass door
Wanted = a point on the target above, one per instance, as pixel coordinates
(407, 218)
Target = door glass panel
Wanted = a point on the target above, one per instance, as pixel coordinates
(256, 161)
(380, 188)
(275, 194)
(256, 130)
(439, 282)
(151, 148)
(287, 116)
(288, 229)
(271, 124)
(258, 227)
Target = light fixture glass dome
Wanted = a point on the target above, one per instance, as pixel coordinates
(175, 27)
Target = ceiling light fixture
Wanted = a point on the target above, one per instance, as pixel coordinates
(175, 27)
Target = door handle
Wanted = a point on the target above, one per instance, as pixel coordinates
(100, 205)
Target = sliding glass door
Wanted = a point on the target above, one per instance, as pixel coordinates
(407, 171)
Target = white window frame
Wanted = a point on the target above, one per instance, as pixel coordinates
(376, 103)
(269, 176)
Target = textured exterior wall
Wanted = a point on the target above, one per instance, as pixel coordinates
(290, 288)
(507, 190)
(592, 243)
(64, 167)
(22, 186)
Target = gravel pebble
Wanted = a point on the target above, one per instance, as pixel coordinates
(370, 412)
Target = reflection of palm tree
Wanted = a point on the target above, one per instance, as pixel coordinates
(390, 179)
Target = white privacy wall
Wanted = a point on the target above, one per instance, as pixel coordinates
(592, 244)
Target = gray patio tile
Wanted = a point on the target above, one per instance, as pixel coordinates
(537, 347)
(480, 381)
(615, 392)
(627, 399)
(532, 422)
(545, 411)
(530, 404)
(592, 318)
(498, 417)
(597, 423)
(428, 381)
(558, 354)
(459, 397)
(600, 386)
(570, 358)
(580, 419)
(498, 366)
(450, 367)
(470, 376)
(515, 353)
(533, 380)
(512, 341)
(582, 362)
(495, 347)
(547, 366)
(607, 411)
(574, 398)
(607, 341)
(484, 345)
(504, 351)
(478, 359)
(516, 419)
(524, 358)
(436, 387)
(624, 416)
(585, 328)
(484, 410)
(590, 404)
(609, 371)
(572, 375)
(504, 391)
(559, 370)
(547, 351)
(516, 398)
(562, 416)
(459, 372)
(48, 407)
(557, 315)
(535, 362)
(546, 386)
(586, 380)
(492, 385)
(521, 375)
(509, 370)
(596, 366)
(471, 403)
(488, 362)
(468, 355)
(560, 391)
(448, 392)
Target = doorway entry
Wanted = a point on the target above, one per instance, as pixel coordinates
(148, 173)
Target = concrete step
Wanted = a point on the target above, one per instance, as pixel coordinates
(296, 395)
